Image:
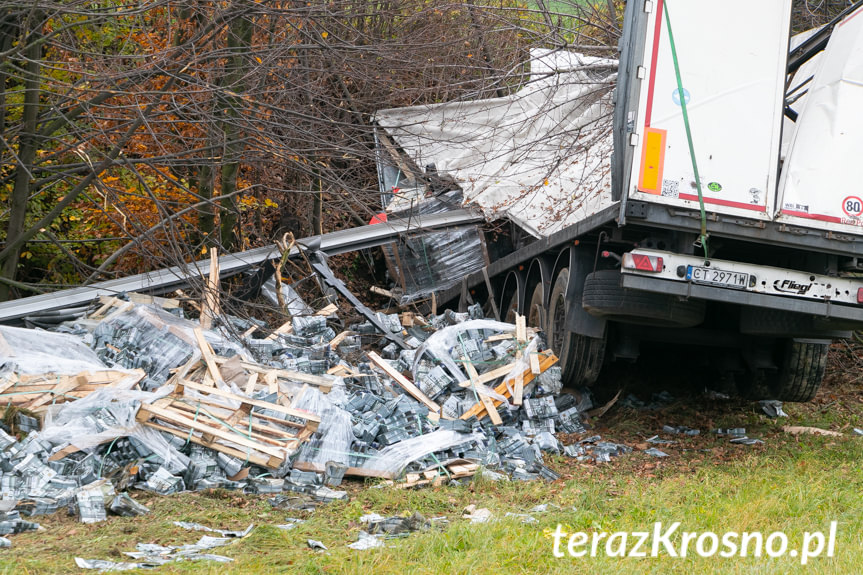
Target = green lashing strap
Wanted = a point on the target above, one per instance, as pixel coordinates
(703, 238)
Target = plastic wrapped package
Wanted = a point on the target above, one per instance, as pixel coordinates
(439, 344)
(293, 302)
(332, 441)
(106, 415)
(416, 259)
(34, 352)
(156, 341)
(395, 458)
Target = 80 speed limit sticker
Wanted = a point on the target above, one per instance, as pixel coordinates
(852, 206)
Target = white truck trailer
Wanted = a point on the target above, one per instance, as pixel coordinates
(704, 190)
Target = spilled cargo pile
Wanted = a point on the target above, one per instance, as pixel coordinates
(135, 396)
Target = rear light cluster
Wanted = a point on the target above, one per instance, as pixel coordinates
(642, 262)
(860, 295)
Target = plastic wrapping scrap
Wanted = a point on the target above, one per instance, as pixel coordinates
(163, 482)
(439, 344)
(227, 533)
(293, 302)
(394, 458)
(653, 452)
(746, 441)
(292, 523)
(680, 430)
(105, 565)
(125, 506)
(32, 351)
(772, 407)
(366, 541)
(734, 431)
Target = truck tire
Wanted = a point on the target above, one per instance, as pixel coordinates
(604, 297)
(801, 370)
(509, 307)
(534, 311)
(581, 357)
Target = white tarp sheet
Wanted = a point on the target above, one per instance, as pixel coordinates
(540, 157)
(822, 174)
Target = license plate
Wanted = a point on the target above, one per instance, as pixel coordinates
(716, 277)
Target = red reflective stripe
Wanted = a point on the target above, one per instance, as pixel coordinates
(653, 57)
(809, 216)
(727, 203)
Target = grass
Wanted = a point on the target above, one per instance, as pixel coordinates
(790, 484)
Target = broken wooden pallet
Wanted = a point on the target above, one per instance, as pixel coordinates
(37, 392)
(207, 416)
(546, 360)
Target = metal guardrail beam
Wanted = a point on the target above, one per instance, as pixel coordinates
(160, 281)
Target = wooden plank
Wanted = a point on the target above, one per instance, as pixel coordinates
(60, 454)
(490, 375)
(518, 390)
(312, 419)
(119, 311)
(321, 382)
(107, 302)
(180, 419)
(334, 343)
(11, 381)
(546, 360)
(207, 354)
(250, 385)
(210, 305)
(328, 310)
(486, 400)
(286, 327)
(272, 462)
(406, 384)
(521, 328)
(534, 363)
(68, 384)
(224, 413)
(270, 380)
(499, 337)
(381, 291)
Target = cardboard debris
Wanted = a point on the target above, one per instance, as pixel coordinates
(800, 430)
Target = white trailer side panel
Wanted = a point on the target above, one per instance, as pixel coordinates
(822, 179)
(732, 57)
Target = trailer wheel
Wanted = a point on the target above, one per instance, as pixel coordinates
(534, 311)
(604, 297)
(580, 356)
(801, 370)
(510, 308)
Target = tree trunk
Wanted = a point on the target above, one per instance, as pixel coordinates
(26, 154)
(239, 42)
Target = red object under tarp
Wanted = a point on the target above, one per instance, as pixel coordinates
(378, 219)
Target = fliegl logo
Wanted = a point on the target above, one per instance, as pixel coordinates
(791, 286)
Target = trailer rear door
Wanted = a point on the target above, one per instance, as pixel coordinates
(822, 178)
(732, 57)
